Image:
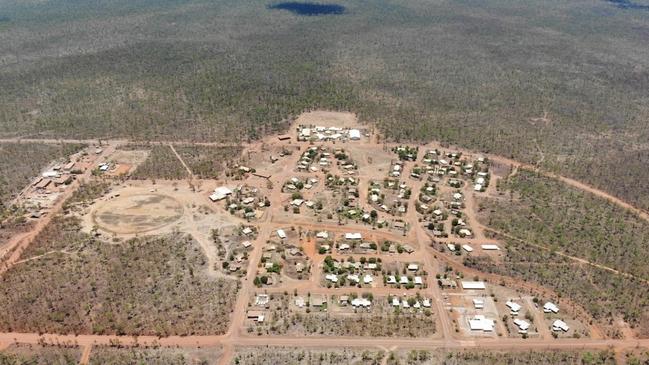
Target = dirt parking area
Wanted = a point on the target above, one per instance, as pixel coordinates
(141, 207)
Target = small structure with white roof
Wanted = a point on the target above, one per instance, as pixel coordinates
(220, 193)
(481, 323)
(473, 285)
(353, 236)
(513, 307)
(560, 325)
(550, 307)
(490, 247)
(522, 325)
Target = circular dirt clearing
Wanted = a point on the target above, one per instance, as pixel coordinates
(137, 213)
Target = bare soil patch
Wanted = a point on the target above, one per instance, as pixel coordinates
(328, 119)
(137, 213)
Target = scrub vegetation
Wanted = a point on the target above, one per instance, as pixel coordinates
(560, 82)
(544, 212)
(150, 285)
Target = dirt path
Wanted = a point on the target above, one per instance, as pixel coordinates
(539, 321)
(321, 342)
(85, 355)
(189, 171)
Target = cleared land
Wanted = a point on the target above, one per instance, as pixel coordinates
(152, 285)
(137, 213)
(77, 279)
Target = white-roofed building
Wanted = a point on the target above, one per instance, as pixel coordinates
(281, 234)
(473, 285)
(262, 299)
(220, 193)
(353, 236)
(361, 302)
(299, 302)
(322, 235)
(354, 278)
(522, 325)
(490, 247)
(481, 323)
(354, 134)
(550, 307)
(514, 307)
(332, 277)
(560, 325)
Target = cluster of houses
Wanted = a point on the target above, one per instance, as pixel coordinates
(308, 158)
(393, 200)
(319, 133)
(57, 176)
(406, 303)
(451, 164)
(353, 272)
(558, 325)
